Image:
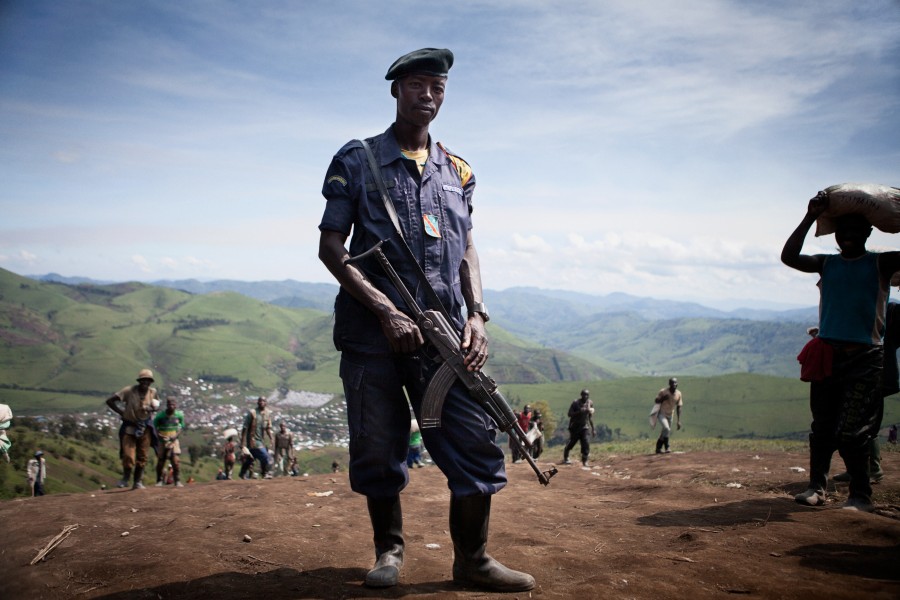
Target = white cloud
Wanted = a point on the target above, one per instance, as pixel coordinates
(531, 244)
(650, 147)
(141, 263)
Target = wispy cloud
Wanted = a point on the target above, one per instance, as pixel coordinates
(652, 147)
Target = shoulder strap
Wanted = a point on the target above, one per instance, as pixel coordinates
(382, 188)
(392, 212)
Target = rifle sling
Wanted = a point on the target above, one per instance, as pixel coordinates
(392, 213)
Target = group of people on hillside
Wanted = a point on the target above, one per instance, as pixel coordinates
(143, 429)
(532, 423)
(274, 451)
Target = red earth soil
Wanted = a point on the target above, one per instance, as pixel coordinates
(695, 525)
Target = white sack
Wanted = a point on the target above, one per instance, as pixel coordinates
(879, 203)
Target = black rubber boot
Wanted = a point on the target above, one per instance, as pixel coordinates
(659, 445)
(387, 526)
(876, 473)
(856, 456)
(138, 478)
(819, 463)
(126, 477)
(472, 566)
(666, 444)
(820, 453)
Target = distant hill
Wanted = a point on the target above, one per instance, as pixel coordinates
(511, 302)
(63, 345)
(620, 333)
(650, 336)
(288, 293)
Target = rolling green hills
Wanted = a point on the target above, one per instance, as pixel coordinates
(63, 346)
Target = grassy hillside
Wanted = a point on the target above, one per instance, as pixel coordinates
(696, 346)
(78, 465)
(730, 406)
(72, 346)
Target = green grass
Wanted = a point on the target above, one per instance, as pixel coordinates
(730, 406)
(683, 444)
(30, 402)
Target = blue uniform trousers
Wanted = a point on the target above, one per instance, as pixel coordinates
(464, 447)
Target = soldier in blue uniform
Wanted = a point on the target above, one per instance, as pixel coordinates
(382, 348)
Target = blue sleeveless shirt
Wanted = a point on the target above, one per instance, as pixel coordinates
(853, 300)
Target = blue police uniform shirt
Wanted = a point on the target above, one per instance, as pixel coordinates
(434, 211)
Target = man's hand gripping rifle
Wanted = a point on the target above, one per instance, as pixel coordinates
(437, 329)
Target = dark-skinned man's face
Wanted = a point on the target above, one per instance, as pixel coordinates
(419, 98)
(851, 235)
(171, 405)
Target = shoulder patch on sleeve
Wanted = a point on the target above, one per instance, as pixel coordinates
(462, 167)
(348, 147)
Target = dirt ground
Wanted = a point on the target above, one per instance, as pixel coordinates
(694, 525)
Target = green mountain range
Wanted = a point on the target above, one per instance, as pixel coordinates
(625, 334)
(63, 346)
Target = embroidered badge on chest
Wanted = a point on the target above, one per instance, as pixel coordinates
(431, 226)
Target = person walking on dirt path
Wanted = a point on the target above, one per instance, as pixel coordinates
(284, 450)
(524, 419)
(168, 425)
(136, 434)
(670, 402)
(228, 456)
(36, 471)
(581, 427)
(256, 436)
(382, 359)
(854, 288)
(537, 446)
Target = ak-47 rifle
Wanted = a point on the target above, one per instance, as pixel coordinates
(437, 329)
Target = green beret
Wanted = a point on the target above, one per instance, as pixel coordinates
(430, 61)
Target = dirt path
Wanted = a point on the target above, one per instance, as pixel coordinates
(672, 526)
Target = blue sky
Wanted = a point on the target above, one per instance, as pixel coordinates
(662, 149)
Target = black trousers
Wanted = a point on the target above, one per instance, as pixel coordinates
(846, 409)
(582, 435)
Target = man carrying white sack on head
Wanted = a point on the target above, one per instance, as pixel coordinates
(845, 394)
